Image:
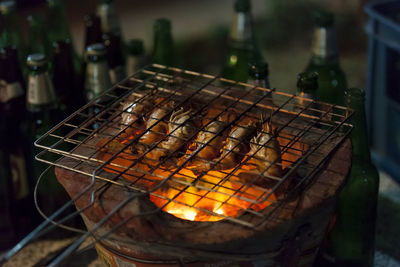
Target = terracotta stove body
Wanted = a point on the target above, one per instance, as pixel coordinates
(107, 184)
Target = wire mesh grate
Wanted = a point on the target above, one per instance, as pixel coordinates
(150, 133)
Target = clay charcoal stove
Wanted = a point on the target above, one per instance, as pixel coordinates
(178, 168)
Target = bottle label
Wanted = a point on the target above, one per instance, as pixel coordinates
(19, 175)
(10, 91)
(97, 79)
(40, 90)
(117, 74)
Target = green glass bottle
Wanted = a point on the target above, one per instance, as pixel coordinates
(307, 86)
(242, 46)
(42, 114)
(97, 78)
(108, 14)
(352, 240)
(163, 49)
(11, 32)
(59, 30)
(325, 60)
(38, 41)
(258, 75)
(57, 21)
(136, 57)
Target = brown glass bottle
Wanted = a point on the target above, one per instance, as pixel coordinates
(115, 58)
(69, 95)
(18, 206)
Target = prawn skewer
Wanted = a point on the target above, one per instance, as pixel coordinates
(157, 128)
(181, 128)
(237, 145)
(133, 113)
(208, 143)
(266, 151)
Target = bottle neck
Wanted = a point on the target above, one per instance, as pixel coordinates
(242, 32)
(359, 138)
(63, 69)
(324, 48)
(163, 52)
(109, 19)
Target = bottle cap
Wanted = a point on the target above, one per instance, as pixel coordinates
(162, 24)
(322, 17)
(307, 80)
(258, 70)
(36, 60)
(135, 46)
(97, 49)
(354, 92)
(242, 5)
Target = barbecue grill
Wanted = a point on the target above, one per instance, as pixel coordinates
(143, 209)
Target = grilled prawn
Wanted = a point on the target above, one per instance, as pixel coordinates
(210, 140)
(156, 127)
(266, 151)
(133, 113)
(236, 146)
(181, 128)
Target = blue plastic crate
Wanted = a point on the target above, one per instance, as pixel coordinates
(383, 84)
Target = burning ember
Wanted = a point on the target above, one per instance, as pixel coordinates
(210, 197)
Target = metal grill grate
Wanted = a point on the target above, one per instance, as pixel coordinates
(97, 142)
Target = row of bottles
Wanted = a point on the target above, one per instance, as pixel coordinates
(45, 81)
(351, 242)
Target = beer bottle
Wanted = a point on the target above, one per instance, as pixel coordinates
(93, 33)
(57, 21)
(8, 231)
(13, 109)
(38, 41)
(69, 97)
(11, 32)
(59, 30)
(352, 240)
(97, 78)
(42, 115)
(307, 86)
(163, 49)
(136, 58)
(242, 47)
(115, 58)
(325, 61)
(15, 195)
(258, 75)
(108, 15)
